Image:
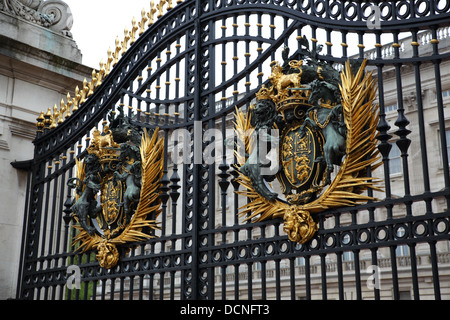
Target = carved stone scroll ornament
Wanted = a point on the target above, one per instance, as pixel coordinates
(53, 14)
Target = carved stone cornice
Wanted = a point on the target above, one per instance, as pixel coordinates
(53, 14)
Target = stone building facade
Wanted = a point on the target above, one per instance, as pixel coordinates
(39, 64)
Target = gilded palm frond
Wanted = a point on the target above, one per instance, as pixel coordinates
(244, 132)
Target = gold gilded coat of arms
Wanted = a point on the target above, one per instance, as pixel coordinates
(325, 119)
(117, 188)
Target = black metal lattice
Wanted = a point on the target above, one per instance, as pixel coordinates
(190, 70)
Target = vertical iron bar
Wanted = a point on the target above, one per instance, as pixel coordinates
(277, 265)
(224, 183)
(435, 270)
(150, 286)
(131, 288)
(32, 227)
(260, 49)
(414, 275)
(308, 277)
(54, 215)
(357, 274)
(236, 281)
(161, 285)
(196, 167)
(68, 204)
(403, 142)
(235, 57)
(211, 192)
(394, 272)
(43, 227)
(323, 279)
(141, 289)
(263, 270)
(344, 44)
(337, 223)
(277, 279)
(94, 290)
(340, 275)
(122, 285)
(250, 280)
(328, 43)
(85, 293)
(292, 276)
(263, 280)
(376, 289)
(103, 290)
(440, 109)
(61, 204)
(420, 115)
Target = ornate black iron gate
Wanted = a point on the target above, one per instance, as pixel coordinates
(187, 73)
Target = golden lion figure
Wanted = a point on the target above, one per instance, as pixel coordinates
(284, 81)
(100, 141)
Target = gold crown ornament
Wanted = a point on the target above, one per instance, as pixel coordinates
(286, 90)
(104, 146)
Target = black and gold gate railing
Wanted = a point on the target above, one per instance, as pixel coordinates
(139, 187)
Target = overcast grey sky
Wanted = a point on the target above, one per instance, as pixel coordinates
(97, 23)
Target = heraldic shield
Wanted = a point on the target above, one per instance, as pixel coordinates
(117, 188)
(325, 119)
(299, 153)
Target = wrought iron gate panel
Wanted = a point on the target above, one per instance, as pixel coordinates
(190, 70)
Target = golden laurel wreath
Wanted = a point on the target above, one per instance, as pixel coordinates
(361, 117)
(151, 150)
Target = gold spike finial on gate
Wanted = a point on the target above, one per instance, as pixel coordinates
(76, 99)
(101, 74)
(84, 91)
(125, 41)
(62, 110)
(160, 8)
(69, 105)
(40, 122)
(151, 13)
(92, 83)
(54, 117)
(116, 53)
(169, 5)
(48, 119)
(144, 19)
(134, 29)
(109, 62)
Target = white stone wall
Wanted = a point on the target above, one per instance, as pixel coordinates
(38, 67)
